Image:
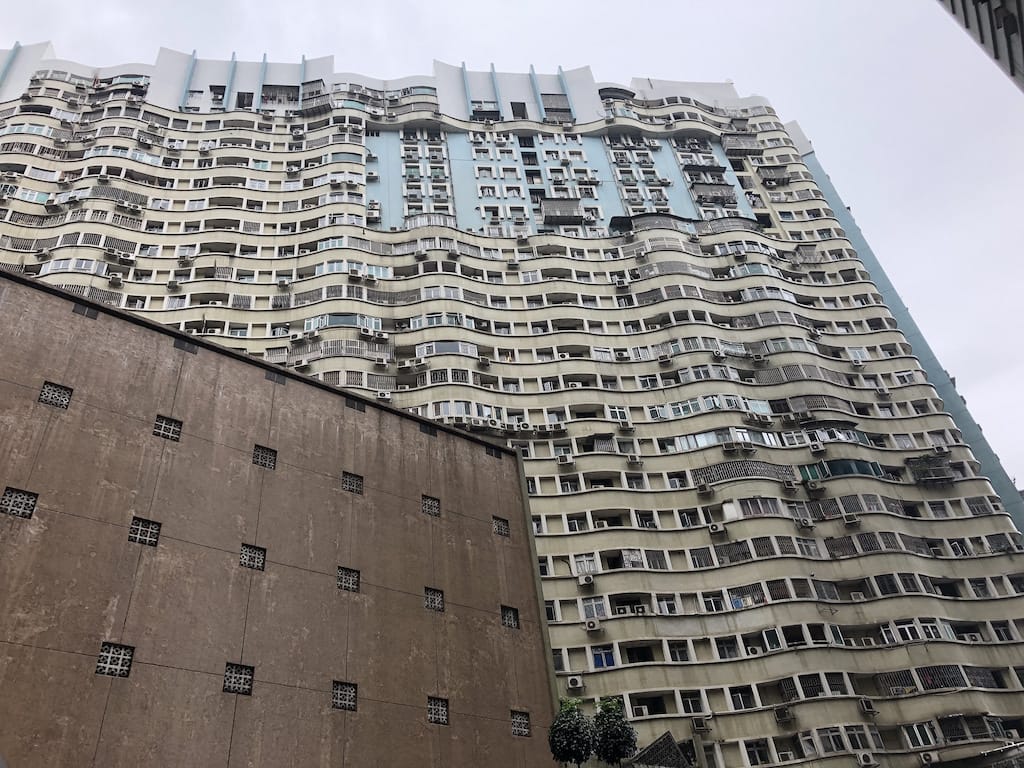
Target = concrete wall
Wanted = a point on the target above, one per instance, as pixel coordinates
(70, 579)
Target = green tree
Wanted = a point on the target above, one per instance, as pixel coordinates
(615, 738)
(571, 737)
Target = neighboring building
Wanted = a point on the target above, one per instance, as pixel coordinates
(751, 507)
(208, 561)
(996, 26)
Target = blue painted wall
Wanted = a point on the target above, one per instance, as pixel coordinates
(608, 198)
(468, 206)
(388, 166)
(678, 194)
(990, 465)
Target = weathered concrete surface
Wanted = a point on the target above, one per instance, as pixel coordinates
(70, 579)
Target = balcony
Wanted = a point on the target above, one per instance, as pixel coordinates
(561, 211)
(773, 175)
(714, 193)
(740, 145)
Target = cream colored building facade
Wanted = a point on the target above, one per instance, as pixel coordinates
(755, 519)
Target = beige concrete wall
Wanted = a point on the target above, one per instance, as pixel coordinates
(70, 579)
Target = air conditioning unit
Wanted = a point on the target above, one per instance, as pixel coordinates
(575, 385)
(384, 396)
(700, 725)
(927, 758)
(114, 279)
(705, 489)
(972, 637)
(813, 486)
(786, 757)
(753, 650)
(622, 355)
(857, 597)
(173, 285)
(817, 447)
(585, 580)
(665, 359)
(1011, 734)
(621, 284)
(866, 758)
(729, 447)
(634, 459)
(566, 458)
(718, 354)
(512, 263)
(574, 682)
(858, 363)
(851, 519)
(282, 283)
(365, 333)
(625, 426)
(380, 361)
(783, 715)
(867, 706)
(715, 529)
(641, 712)
(593, 625)
(940, 450)
(884, 393)
(789, 486)
(805, 522)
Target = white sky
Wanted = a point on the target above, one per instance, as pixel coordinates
(919, 130)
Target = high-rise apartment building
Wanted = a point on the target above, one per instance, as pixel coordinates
(756, 515)
(996, 26)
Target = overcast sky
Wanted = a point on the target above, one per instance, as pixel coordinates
(919, 130)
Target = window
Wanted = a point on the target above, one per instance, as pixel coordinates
(167, 428)
(520, 723)
(757, 752)
(980, 587)
(690, 701)
(429, 505)
(920, 734)
(144, 532)
(807, 547)
(509, 617)
(348, 579)
(678, 650)
(437, 710)
(352, 483)
(238, 678)
(594, 608)
(56, 395)
(18, 503)
(433, 599)
(604, 656)
(115, 660)
(831, 740)
(344, 696)
(253, 557)
(666, 604)
(586, 563)
(550, 610)
(500, 526)
(264, 457)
